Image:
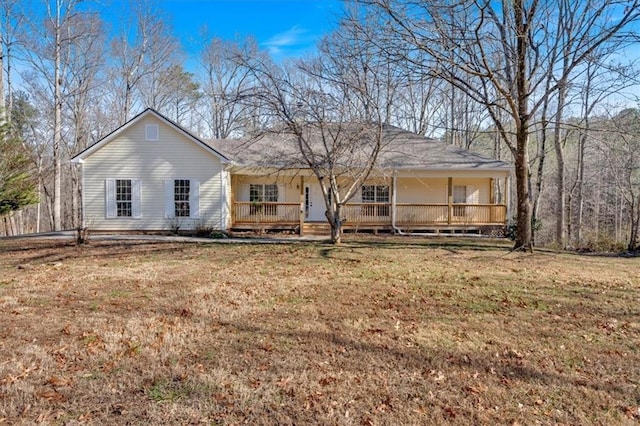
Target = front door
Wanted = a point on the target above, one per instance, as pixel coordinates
(314, 206)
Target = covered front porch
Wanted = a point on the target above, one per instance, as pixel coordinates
(427, 202)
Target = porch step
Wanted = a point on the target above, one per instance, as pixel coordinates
(316, 228)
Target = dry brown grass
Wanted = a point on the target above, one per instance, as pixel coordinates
(378, 331)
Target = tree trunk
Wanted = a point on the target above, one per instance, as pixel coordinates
(561, 236)
(335, 222)
(524, 237)
(57, 127)
(542, 155)
(3, 110)
(580, 197)
(635, 223)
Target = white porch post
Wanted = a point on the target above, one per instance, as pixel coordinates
(449, 200)
(507, 195)
(394, 181)
(301, 206)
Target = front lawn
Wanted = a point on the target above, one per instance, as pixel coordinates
(377, 331)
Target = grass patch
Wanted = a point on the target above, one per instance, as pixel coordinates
(163, 390)
(381, 330)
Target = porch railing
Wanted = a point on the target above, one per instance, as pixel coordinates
(252, 212)
(367, 213)
(414, 214)
(378, 213)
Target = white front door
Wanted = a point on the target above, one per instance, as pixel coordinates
(314, 206)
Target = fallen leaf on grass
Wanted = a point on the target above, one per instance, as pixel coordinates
(59, 381)
(479, 388)
(85, 417)
(367, 422)
(327, 380)
(632, 412)
(51, 396)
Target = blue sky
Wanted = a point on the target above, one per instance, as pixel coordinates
(286, 28)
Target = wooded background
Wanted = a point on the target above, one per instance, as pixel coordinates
(548, 85)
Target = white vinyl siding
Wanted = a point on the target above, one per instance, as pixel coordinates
(172, 156)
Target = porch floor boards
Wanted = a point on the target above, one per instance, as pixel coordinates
(323, 228)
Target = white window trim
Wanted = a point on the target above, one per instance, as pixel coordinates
(169, 199)
(375, 193)
(110, 199)
(152, 132)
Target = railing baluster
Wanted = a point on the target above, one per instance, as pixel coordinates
(376, 213)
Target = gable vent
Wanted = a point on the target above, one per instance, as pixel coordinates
(152, 132)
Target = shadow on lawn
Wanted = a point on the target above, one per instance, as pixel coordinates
(50, 251)
(397, 243)
(361, 357)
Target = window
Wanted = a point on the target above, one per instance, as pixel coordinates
(376, 194)
(122, 198)
(263, 193)
(182, 198)
(124, 201)
(152, 132)
(181, 190)
(459, 197)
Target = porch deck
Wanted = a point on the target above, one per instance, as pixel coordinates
(374, 216)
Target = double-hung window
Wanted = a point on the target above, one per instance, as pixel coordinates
(263, 193)
(376, 194)
(182, 198)
(123, 198)
(181, 190)
(459, 197)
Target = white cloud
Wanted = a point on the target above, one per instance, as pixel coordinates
(293, 40)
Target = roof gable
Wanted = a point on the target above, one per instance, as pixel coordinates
(81, 156)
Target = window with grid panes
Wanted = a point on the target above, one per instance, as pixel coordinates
(181, 190)
(263, 193)
(375, 194)
(124, 200)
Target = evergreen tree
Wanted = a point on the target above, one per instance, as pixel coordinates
(17, 185)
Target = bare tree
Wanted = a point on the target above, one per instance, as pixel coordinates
(9, 20)
(143, 51)
(227, 108)
(47, 46)
(506, 45)
(419, 106)
(84, 77)
(327, 111)
(622, 152)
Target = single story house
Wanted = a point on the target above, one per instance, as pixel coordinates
(152, 175)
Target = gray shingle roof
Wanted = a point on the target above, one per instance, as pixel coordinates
(402, 150)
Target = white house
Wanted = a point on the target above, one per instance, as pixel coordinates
(152, 175)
